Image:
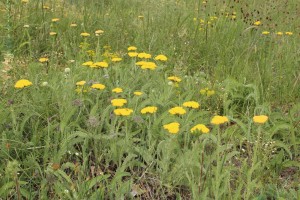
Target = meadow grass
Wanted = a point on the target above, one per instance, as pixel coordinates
(62, 138)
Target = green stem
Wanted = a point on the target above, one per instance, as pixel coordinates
(257, 146)
(8, 26)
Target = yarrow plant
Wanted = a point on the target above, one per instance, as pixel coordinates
(200, 128)
(260, 119)
(98, 86)
(217, 120)
(118, 102)
(149, 109)
(174, 79)
(117, 90)
(123, 111)
(177, 111)
(172, 128)
(22, 83)
(191, 104)
(126, 107)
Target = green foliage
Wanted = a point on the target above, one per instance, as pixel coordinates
(63, 141)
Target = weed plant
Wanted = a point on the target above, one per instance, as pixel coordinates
(153, 99)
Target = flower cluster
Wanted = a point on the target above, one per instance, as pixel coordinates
(22, 83)
(149, 109)
(123, 111)
(207, 92)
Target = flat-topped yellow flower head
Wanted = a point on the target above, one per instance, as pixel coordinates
(85, 34)
(117, 90)
(217, 120)
(260, 119)
(200, 128)
(137, 93)
(80, 83)
(174, 79)
(132, 48)
(98, 86)
(42, 60)
(118, 102)
(22, 83)
(177, 111)
(191, 104)
(149, 109)
(172, 127)
(123, 111)
(161, 58)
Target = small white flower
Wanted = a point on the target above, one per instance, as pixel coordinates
(77, 154)
(106, 76)
(66, 191)
(44, 84)
(26, 26)
(67, 70)
(170, 83)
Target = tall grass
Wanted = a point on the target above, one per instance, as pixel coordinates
(62, 141)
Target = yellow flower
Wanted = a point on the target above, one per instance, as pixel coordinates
(144, 55)
(265, 33)
(161, 57)
(177, 111)
(91, 53)
(46, 7)
(260, 119)
(140, 63)
(98, 32)
(137, 93)
(42, 60)
(116, 59)
(117, 90)
(149, 65)
(210, 93)
(217, 120)
(52, 33)
(123, 111)
(257, 23)
(174, 79)
(191, 104)
(54, 19)
(22, 83)
(73, 25)
(203, 91)
(289, 33)
(172, 127)
(149, 109)
(24, 1)
(98, 86)
(279, 33)
(84, 34)
(200, 127)
(132, 54)
(132, 48)
(80, 83)
(118, 102)
(88, 63)
(101, 64)
(80, 90)
(207, 92)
